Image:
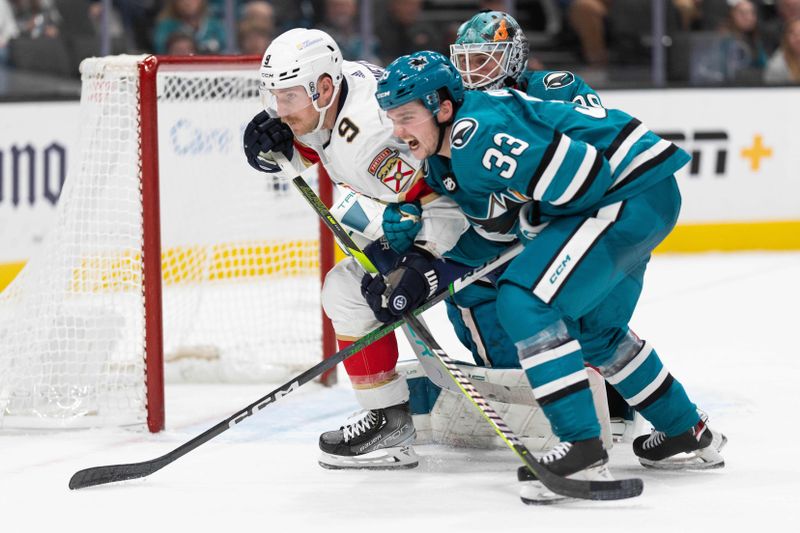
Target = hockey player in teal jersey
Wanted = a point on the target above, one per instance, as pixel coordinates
(490, 52)
(591, 192)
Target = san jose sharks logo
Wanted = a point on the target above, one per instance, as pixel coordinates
(558, 80)
(501, 213)
(418, 63)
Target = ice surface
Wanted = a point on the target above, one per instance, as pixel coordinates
(724, 324)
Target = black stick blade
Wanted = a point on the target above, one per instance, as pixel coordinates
(615, 490)
(100, 475)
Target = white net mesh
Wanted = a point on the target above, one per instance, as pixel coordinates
(240, 267)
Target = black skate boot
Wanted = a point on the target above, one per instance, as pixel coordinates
(583, 459)
(696, 448)
(375, 439)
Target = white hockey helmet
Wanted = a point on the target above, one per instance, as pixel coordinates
(297, 58)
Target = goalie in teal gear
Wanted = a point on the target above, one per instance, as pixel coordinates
(591, 192)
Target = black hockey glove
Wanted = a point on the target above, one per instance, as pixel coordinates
(413, 280)
(265, 134)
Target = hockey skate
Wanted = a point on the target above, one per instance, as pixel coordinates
(372, 439)
(696, 448)
(584, 459)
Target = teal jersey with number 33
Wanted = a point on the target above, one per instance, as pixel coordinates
(508, 149)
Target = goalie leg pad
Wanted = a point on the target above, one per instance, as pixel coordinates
(444, 417)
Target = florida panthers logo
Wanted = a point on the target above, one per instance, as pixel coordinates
(558, 80)
(394, 171)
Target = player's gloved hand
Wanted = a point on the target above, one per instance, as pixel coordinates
(406, 287)
(530, 222)
(266, 134)
(401, 223)
(381, 255)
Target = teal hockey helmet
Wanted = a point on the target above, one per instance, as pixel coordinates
(419, 76)
(491, 51)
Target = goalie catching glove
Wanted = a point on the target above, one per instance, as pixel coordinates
(412, 281)
(265, 134)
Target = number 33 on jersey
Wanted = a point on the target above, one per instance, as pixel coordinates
(508, 148)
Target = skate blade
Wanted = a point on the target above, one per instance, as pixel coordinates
(399, 457)
(708, 458)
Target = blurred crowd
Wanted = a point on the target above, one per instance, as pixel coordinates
(707, 41)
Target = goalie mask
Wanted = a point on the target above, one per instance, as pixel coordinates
(291, 69)
(490, 52)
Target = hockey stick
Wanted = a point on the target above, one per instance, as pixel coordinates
(352, 249)
(430, 349)
(100, 475)
(573, 488)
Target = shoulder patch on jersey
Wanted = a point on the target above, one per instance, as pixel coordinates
(380, 158)
(395, 172)
(463, 130)
(450, 183)
(558, 80)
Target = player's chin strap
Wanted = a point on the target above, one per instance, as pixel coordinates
(443, 131)
(323, 111)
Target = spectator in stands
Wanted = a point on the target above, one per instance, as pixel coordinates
(340, 21)
(293, 14)
(260, 13)
(690, 13)
(588, 19)
(190, 17)
(775, 30)
(36, 18)
(784, 65)
(737, 53)
(402, 31)
(8, 29)
(253, 37)
(181, 44)
(744, 47)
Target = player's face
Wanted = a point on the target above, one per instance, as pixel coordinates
(415, 125)
(793, 37)
(480, 68)
(479, 63)
(293, 106)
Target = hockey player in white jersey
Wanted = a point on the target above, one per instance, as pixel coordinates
(320, 108)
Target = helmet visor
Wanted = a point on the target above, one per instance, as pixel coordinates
(480, 64)
(285, 102)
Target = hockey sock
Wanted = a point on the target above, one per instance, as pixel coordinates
(644, 382)
(552, 361)
(561, 388)
(374, 364)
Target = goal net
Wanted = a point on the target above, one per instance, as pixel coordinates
(169, 252)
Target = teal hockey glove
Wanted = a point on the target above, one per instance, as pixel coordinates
(401, 223)
(530, 223)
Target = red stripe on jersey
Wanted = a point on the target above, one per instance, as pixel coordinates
(306, 152)
(417, 191)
